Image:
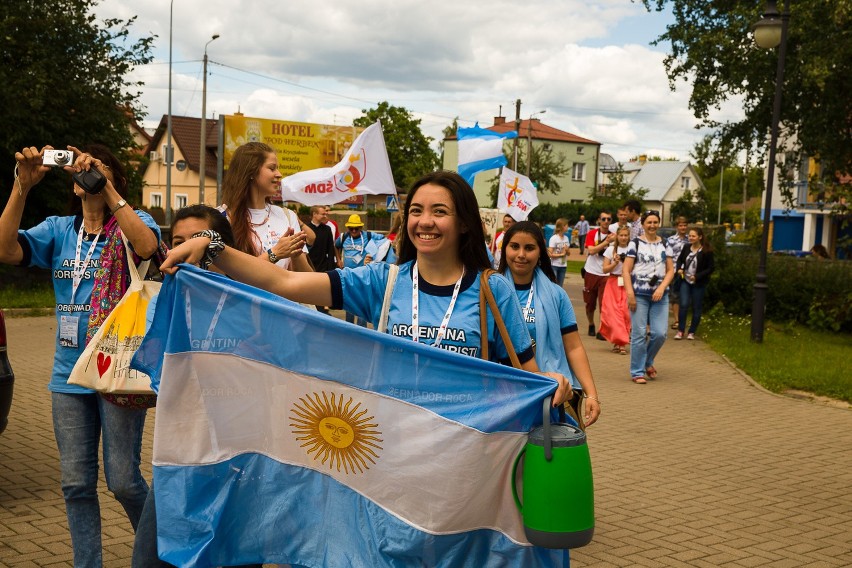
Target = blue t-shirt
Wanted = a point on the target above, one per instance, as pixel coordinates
(355, 250)
(649, 266)
(561, 314)
(52, 244)
(361, 292)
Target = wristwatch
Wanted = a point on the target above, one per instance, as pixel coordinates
(273, 258)
(121, 203)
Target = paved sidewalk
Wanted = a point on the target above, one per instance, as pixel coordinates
(698, 468)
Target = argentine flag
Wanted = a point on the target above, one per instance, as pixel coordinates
(286, 436)
(480, 149)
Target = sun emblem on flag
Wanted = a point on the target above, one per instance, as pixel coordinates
(335, 432)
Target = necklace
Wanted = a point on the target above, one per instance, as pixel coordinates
(93, 231)
(268, 211)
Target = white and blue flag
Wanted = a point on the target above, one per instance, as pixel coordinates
(286, 436)
(480, 149)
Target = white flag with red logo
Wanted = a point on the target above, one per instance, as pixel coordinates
(517, 195)
(364, 170)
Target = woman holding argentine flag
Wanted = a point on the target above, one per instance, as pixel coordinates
(435, 296)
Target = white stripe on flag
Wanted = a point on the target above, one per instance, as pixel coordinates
(476, 149)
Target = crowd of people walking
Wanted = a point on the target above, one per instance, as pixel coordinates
(438, 244)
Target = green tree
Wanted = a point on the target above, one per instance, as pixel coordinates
(63, 80)
(712, 48)
(408, 148)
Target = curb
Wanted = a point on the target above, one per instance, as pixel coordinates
(28, 312)
(797, 395)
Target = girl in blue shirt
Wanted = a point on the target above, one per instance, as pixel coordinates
(436, 297)
(548, 313)
(75, 247)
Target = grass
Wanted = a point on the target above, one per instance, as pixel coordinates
(38, 295)
(791, 357)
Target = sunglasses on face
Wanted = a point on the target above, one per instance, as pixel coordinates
(606, 218)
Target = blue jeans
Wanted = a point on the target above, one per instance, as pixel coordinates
(643, 350)
(560, 274)
(79, 420)
(689, 293)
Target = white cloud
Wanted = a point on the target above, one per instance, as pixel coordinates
(587, 62)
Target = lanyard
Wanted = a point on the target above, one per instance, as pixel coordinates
(361, 250)
(529, 298)
(80, 269)
(415, 308)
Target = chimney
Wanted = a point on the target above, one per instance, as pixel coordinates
(499, 120)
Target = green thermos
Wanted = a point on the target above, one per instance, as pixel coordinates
(558, 506)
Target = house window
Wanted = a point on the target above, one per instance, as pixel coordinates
(156, 200)
(180, 200)
(168, 157)
(684, 182)
(578, 172)
(580, 150)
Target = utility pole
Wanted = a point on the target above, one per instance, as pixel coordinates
(202, 166)
(745, 186)
(518, 132)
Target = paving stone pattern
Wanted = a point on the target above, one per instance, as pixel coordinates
(697, 468)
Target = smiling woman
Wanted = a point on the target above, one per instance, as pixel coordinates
(435, 298)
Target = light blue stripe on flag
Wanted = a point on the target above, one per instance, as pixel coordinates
(286, 436)
(480, 149)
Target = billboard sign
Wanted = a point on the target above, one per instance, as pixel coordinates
(300, 146)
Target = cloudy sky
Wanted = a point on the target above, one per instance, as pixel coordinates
(588, 63)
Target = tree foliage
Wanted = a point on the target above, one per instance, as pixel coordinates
(63, 81)
(712, 47)
(408, 148)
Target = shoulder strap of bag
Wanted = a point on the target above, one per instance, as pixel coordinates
(486, 300)
(393, 270)
(131, 266)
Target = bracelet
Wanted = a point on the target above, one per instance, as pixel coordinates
(213, 249)
(592, 397)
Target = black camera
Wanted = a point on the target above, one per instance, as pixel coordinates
(654, 279)
(92, 181)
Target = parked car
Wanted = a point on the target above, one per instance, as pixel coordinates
(7, 377)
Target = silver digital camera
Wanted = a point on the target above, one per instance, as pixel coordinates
(58, 158)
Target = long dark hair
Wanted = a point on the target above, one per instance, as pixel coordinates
(236, 187)
(702, 239)
(472, 250)
(534, 231)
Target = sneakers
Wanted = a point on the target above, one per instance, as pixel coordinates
(592, 330)
(678, 336)
(691, 336)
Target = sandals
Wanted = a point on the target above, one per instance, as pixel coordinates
(622, 350)
(651, 373)
(615, 349)
(639, 380)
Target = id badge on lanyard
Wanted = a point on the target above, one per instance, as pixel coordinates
(69, 325)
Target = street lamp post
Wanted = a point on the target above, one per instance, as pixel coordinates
(202, 173)
(770, 32)
(169, 153)
(529, 139)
